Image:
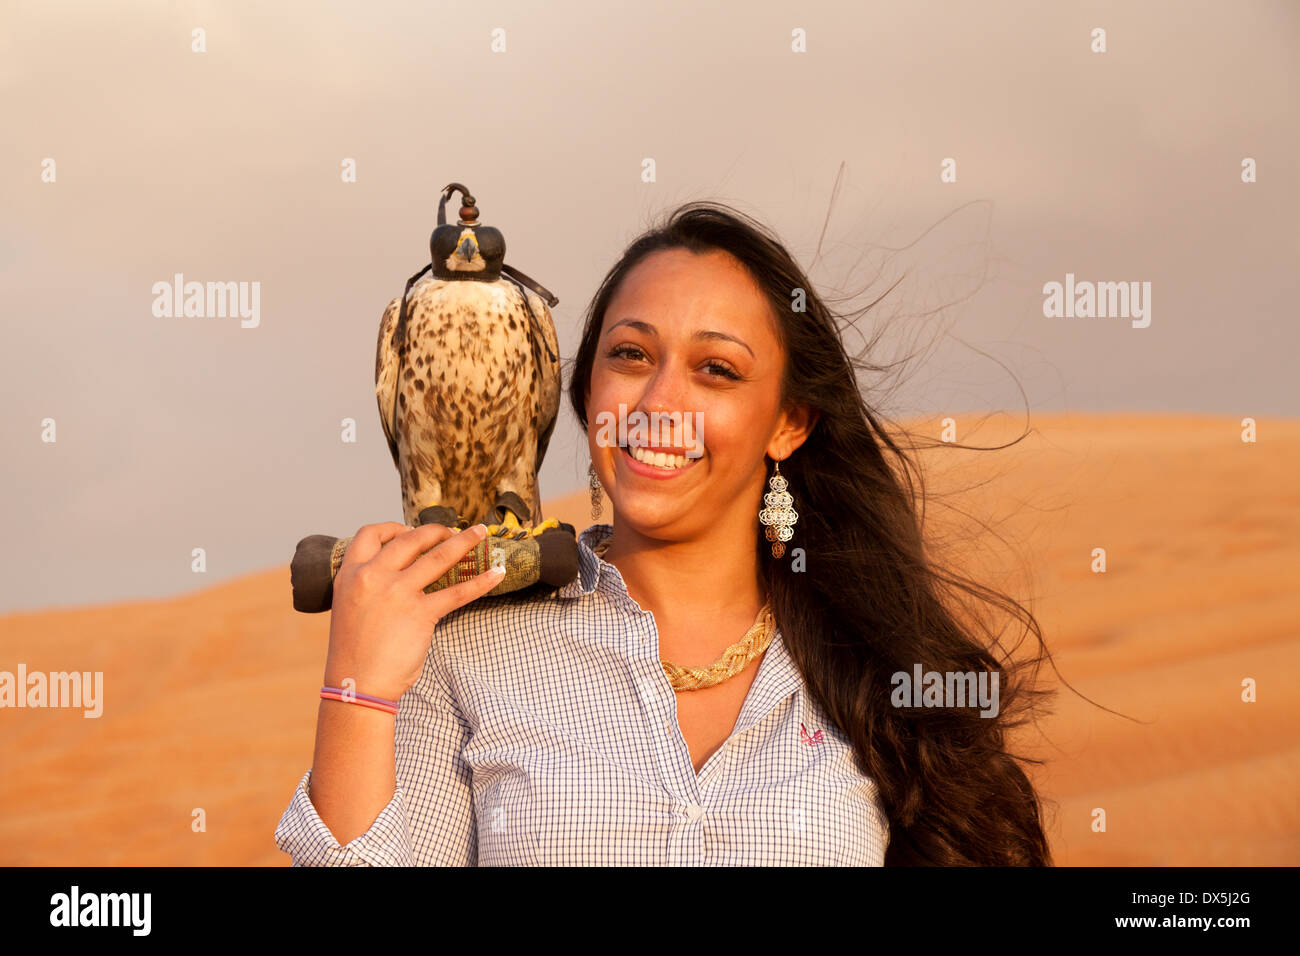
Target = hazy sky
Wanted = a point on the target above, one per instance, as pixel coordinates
(225, 165)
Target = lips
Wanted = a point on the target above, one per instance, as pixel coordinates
(652, 469)
(666, 449)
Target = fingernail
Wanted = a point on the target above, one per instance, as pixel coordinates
(480, 530)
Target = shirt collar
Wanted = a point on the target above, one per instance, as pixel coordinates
(589, 565)
(778, 675)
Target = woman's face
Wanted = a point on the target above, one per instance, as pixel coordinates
(692, 334)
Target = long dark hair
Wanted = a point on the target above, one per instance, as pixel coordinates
(953, 793)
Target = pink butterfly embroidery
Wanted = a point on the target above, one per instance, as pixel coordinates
(810, 741)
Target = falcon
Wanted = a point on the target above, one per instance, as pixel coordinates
(467, 378)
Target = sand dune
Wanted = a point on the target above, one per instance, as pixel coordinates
(210, 699)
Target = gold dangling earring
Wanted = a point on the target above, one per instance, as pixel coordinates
(597, 508)
(778, 517)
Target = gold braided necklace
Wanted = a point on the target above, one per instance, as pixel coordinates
(731, 662)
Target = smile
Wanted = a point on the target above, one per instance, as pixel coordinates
(657, 464)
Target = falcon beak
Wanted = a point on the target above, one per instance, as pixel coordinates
(467, 249)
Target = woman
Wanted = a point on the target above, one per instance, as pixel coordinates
(588, 726)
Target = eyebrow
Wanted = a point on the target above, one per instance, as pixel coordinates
(699, 335)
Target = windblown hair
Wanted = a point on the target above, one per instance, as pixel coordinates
(952, 792)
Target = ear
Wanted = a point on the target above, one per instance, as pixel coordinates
(796, 424)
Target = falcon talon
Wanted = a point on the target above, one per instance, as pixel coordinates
(544, 526)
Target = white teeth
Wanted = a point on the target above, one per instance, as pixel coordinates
(659, 459)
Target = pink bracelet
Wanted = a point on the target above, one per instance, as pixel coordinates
(364, 703)
(352, 697)
(377, 700)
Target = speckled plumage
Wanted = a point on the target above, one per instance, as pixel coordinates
(478, 399)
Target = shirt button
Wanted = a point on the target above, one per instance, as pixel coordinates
(694, 811)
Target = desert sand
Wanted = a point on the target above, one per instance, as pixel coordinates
(210, 699)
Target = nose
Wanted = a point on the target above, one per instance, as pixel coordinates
(665, 390)
(665, 394)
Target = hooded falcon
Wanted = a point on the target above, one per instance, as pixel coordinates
(467, 377)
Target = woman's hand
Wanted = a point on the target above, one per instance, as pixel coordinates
(382, 621)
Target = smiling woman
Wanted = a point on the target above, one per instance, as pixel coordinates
(710, 316)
